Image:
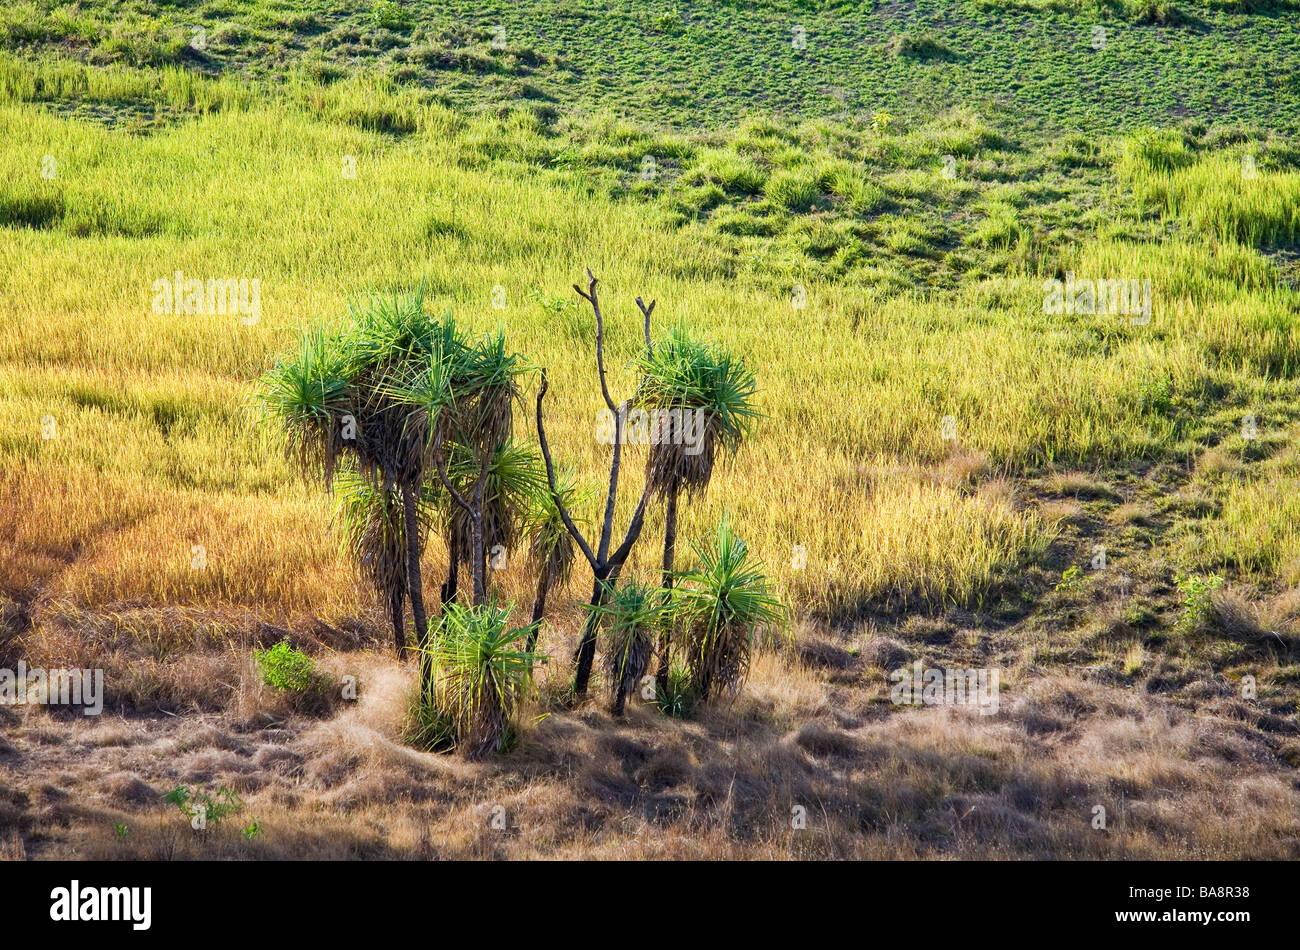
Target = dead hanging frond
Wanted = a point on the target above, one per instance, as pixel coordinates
(683, 447)
(374, 530)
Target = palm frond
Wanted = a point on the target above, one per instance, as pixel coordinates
(483, 392)
(550, 545)
(515, 478)
(307, 394)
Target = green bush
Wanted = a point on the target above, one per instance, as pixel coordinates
(1198, 592)
(288, 669)
(1155, 395)
(203, 808)
(388, 15)
(922, 45)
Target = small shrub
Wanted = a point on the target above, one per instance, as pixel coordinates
(1072, 579)
(1198, 594)
(1155, 395)
(917, 46)
(387, 15)
(204, 809)
(676, 699)
(670, 21)
(288, 669)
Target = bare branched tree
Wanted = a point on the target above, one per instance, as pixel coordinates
(605, 564)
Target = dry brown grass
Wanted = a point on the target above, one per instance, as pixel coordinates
(816, 732)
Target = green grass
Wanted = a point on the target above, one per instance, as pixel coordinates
(715, 61)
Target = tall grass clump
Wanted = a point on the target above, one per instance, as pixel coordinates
(1227, 197)
(23, 80)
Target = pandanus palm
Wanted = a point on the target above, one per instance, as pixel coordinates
(481, 674)
(631, 615)
(466, 396)
(719, 606)
(333, 398)
(700, 402)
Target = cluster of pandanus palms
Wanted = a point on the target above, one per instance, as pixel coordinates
(413, 424)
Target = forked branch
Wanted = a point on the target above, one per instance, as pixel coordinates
(649, 350)
(590, 297)
(550, 480)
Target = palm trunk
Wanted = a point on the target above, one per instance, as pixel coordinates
(670, 542)
(396, 601)
(476, 545)
(414, 581)
(449, 588)
(539, 603)
(479, 561)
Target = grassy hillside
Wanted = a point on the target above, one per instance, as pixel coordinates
(708, 63)
(942, 451)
